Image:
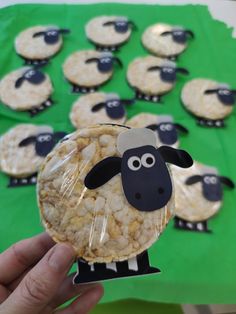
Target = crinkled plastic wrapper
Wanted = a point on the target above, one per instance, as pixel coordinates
(99, 223)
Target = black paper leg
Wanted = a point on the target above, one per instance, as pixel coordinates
(152, 98)
(19, 182)
(107, 48)
(211, 123)
(200, 226)
(173, 58)
(48, 103)
(76, 89)
(36, 62)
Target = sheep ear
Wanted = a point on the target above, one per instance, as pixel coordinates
(182, 71)
(108, 23)
(166, 33)
(227, 181)
(64, 31)
(38, 34)
(98, 107)
(154, 68)
(210, 91)
(176, 157)
(27, 141)
(91, 60)
(191, 33)
(118, 61)
(152, 127)
(59, 135)
(193, 179)
(181, 128)
(19, 82)
(128, 101)
(102, 172)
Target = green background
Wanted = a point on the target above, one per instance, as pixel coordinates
(196, 268)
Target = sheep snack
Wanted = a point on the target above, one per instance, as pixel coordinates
(107, 191)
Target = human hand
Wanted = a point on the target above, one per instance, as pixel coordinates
(34, 280)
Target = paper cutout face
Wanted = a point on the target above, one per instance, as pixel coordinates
(44, 142)
(121, 25)
(225, 95)
(51, 36)
(168, 73)
(180, 36)
(145, 177)
(115, 107)
(105, 62)
(167, 131)
(211, 185)
(33, 76)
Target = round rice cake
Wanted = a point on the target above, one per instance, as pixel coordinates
(80, 73)
(82, 116)
(100, 224)
(159, 45)
(20, 162)
(28, 95)
(143, 120)
(190, 204)
(148, 82)
(203, 105)
(36, 48)
(107, 35)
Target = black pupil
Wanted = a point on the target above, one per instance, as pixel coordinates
(160, 190)
(149, 160)
(137, 196)
(136, 163)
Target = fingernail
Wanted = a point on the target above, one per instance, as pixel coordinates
(62, 257)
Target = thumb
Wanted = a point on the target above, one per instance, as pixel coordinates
(41, 284)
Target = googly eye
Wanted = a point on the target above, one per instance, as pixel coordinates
(44, 138)
(105, 60)
(134, 163)
(52, 33)
(112, 104)
(224, 92)
(30, 73)
(148, 160)
(207, 179)
(163, 127)
(169, 127)
(213, 180)
(178, 33)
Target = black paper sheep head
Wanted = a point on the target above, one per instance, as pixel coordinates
(114, 106)
(211, 184)
(225, 95)
(168, 71)
(145, 177)
(44, 142)
(31, 75)
(179, 34)
(121, 24)
(52, 35)
(167, 130)
(105, 62)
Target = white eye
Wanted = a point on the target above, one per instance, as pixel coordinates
(112, 104)
(148, 160)
(44, 138)
(134, 163)
(30, 74)
(53, 33)
(163, 127)
(213, 180)
(169, 127)
(105, 60)
(178, 33)
(224, 92)
(168, 70)
(207, 180)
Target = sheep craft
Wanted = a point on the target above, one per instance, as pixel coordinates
(99, 107)
(209, 101)
(23, 149)
(87, 70)
(125, 183)
(109, 33)
(36, 45)
(167, 131)
(166, 41)
(198, 196)
(152, 77)
(27, 89)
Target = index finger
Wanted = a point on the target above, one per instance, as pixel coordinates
(20, 256)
